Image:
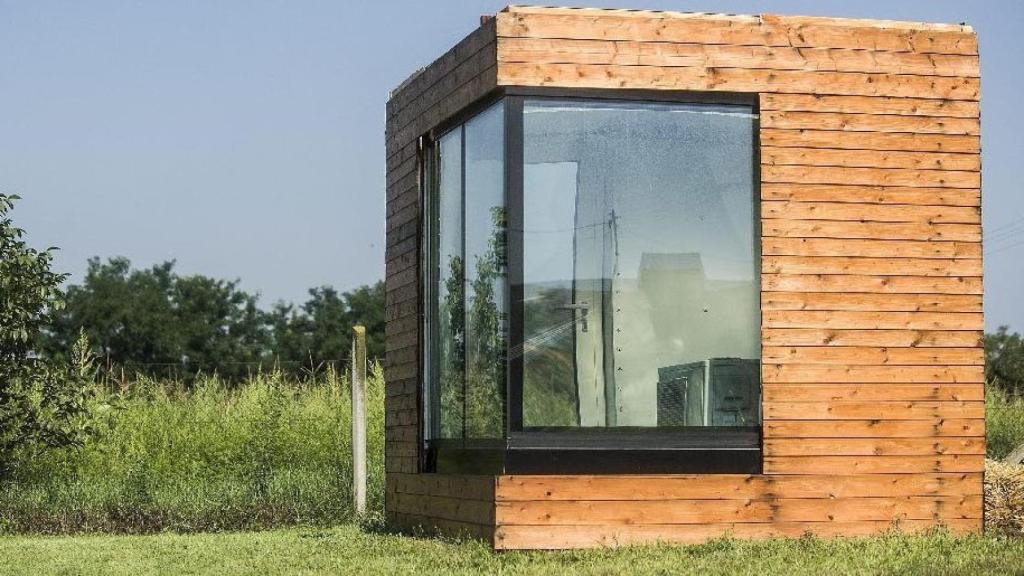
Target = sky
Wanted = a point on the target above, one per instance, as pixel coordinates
(245, 139)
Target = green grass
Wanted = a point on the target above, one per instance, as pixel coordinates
(1004, 422)
(268, 453)
(348, 551)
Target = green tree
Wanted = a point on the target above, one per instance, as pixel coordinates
(319, 332)
(158, 322)
(42, 404)
(1004, 360)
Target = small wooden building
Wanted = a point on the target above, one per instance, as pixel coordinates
(658, 276)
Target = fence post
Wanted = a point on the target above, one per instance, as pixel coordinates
(359, 418)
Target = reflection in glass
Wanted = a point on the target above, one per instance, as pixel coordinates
(485, 274)
(451, 340)
(641, 293)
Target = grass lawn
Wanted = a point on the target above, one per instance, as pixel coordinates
(346, 550)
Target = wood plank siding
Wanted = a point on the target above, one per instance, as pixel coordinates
(873, 395)
(455, 505)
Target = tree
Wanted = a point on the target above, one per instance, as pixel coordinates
(42, 404)
(1004, 360)
(160, 323)
(319, 332)
(157, 322)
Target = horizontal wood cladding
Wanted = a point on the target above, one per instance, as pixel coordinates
(855, 283)
(729, 487)
(738, 80)
(512, 537)
(869, 105)
(764, 30)
(864, 247)
(872, 410)
(872, 320)
(796, 120)
(828, 391)
(878, 141)
(896, 428)
(776, 509)
(873, 355)
(610, 510)
(823, 464)
(917, 231)
(446, 505)
(811, 210)
(872, 446)
(695, 55)
(939, 267)
(887, 338)
(871, 275)
(443, 504)
(774, 301)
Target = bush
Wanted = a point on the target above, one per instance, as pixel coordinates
(1004, 422)
(1004, 361)
(42, 404)
(267, 453)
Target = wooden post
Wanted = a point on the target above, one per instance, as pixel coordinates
(359, 418)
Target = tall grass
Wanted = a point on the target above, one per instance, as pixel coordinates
(1004, 422)
(267, 453)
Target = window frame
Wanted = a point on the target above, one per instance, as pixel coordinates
(711, 449)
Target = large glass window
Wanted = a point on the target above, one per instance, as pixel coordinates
(591, 266)
(485, 274)
(451, 336)
(466, 282)
(640, 277)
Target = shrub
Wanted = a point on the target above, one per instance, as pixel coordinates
(211, 456)
(1004, 422)
(42, 404)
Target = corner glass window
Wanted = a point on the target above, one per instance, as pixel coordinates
(591, 283)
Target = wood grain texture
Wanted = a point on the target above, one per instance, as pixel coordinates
(794, 156)
(696, 55)
(863, 247)
(522, 537)
(772, 301)
(614, 487)
(696, 511)
(869, 161)
(869, 105)
(924, 428)
(888, 338)
(873, 356)
(879, 141)
(872, 391)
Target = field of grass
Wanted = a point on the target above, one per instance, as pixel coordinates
(268, 453)
(1004, 423)
(346, 550)
(199, 467)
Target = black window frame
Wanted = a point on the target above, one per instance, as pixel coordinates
(613, 450)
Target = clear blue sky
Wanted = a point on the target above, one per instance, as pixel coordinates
(246, 139)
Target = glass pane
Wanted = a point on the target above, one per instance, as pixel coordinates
(641, 288)
(451, 340)
(485, 275)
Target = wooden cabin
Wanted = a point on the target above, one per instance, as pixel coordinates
(657, 276)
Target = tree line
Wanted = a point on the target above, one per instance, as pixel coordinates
(158, 322)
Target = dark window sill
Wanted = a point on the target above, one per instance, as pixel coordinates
(717, 451)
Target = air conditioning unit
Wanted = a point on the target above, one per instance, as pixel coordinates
(681, 395)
